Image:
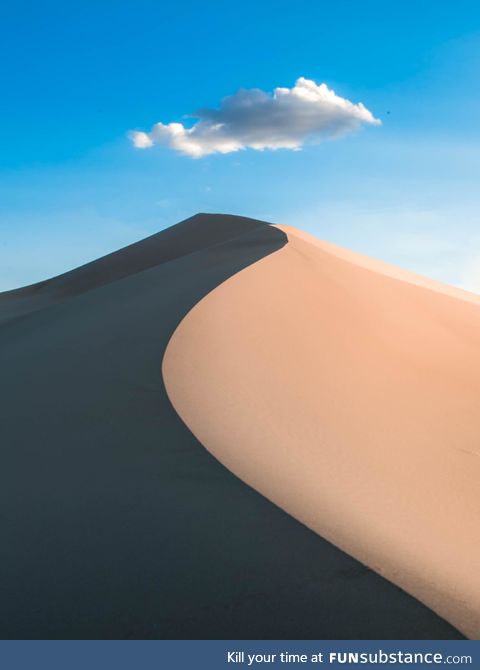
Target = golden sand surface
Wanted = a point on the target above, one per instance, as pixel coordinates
(347, 391)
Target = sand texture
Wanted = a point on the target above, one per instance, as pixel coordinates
(115, 521)
(348, 393)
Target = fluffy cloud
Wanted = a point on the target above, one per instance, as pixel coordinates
(287, 119)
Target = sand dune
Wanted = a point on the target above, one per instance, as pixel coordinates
(115, 521)
(347, 392)
(195, 234)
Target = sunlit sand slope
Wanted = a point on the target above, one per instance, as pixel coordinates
(348, 393)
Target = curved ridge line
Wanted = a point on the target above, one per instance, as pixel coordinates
(286, 229)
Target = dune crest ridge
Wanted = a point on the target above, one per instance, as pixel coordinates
(346, 391)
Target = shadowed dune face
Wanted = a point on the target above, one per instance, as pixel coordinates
(348, 393)
(187, 237)
(115, 522)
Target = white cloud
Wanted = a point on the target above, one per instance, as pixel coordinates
(141, 140)
(287, 119)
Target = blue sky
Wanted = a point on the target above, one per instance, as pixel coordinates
(76, 77)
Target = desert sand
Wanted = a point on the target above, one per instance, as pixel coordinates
(115, 521)
(347, 392)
